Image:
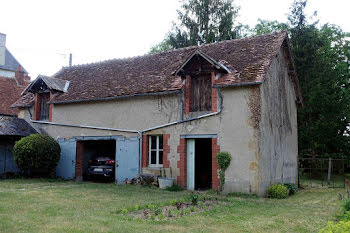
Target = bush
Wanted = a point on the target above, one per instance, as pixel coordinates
(194, 198)
(339, 227)
(346, 204)
(224, 159)
(278, 191)
(292, 188)
(37, 154)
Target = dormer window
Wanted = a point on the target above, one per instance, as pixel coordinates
(201, 93)
(44, 107)
(44, 88)
(199, 71)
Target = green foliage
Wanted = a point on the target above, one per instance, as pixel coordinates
(202, 21)
(37, 153)
(346, 204)
(321, 55)
(292, 188)
(160, 217)
(224, 159)
(266, 26)
(175, 188)
(157, 210)
(340, 227)
(278, 191)
(194, 198)
(345, 216)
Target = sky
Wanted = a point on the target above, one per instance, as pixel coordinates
(42, 33)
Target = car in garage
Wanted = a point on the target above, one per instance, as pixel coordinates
(101, 167)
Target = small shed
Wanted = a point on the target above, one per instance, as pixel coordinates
(11, 130)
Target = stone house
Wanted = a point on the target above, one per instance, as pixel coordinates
(174, 111)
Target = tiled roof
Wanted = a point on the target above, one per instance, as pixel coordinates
(26, 100)
(11, 62)
(10, 91)
(11, 125)
(248, 60)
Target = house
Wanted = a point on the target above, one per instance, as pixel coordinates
(13, 79)
(174, 111)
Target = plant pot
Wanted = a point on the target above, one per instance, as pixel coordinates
(165, 182)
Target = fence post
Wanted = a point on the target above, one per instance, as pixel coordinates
(329, 170)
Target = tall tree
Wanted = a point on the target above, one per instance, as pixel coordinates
(266, 26)
(321, 56)
(202, 21)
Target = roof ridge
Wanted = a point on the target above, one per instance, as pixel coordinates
(163, 52)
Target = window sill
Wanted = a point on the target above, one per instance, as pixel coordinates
(154, 168)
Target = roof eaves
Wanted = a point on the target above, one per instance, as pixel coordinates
(238, 84)
(116, 97)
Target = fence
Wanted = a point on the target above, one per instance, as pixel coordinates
(320, 172)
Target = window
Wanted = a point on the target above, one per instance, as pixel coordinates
(201, 93)
(43, 111)
(155, 151)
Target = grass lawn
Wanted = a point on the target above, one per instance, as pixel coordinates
(57, 206)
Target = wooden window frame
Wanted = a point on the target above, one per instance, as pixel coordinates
(200, 102)
(42, 109)
(157, 149)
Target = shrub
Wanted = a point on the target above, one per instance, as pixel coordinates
(346, 204)
(224, 159)
(194, 198)
(292, 188)
(37, 154)
(339, 227)
(278, 191)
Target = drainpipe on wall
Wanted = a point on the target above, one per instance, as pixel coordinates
(142, 131)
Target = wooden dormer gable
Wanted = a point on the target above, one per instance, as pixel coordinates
(200, 63)
(44, 84)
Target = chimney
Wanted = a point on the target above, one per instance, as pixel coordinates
(2, 48)
(21, 77)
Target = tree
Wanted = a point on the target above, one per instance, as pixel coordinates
(266, 26)
(321, 57)
(202, 21)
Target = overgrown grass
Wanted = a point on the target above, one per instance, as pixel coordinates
(57, 206)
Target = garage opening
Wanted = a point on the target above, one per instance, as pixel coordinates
(96, 160)
(203, 163)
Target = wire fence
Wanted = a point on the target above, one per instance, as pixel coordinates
(321, 172)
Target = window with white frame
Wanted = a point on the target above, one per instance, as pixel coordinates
(156, 151)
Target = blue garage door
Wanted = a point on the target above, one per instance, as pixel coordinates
(127, 159)
(66, 166)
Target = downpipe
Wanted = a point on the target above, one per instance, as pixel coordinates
(140, 133)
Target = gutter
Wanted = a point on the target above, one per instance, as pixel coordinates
(239, 84)
(142, 131)
(117, 97)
